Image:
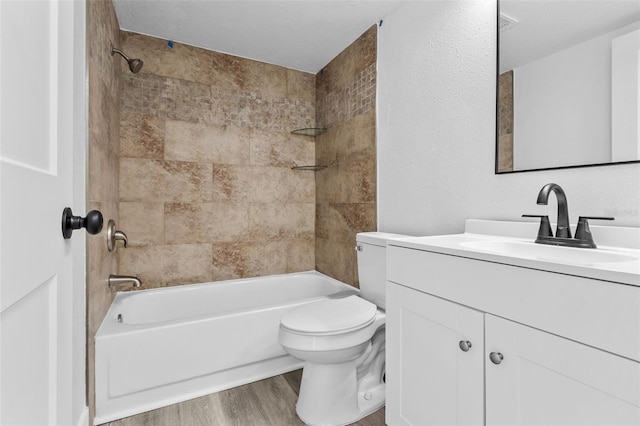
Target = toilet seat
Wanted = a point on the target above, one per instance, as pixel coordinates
(330, 317)
(330, 325)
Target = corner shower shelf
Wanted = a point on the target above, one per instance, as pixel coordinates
(314, 167)
(309, 131)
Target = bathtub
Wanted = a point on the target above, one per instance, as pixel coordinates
(158, 347)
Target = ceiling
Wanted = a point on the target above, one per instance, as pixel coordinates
(300, 34)
(548, 26)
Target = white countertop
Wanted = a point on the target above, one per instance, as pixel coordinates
(625, 269)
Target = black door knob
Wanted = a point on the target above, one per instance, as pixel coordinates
(92, 222)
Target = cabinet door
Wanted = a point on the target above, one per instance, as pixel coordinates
(543, 379)
(430, 379)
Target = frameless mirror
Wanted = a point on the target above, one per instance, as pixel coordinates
(568, 83)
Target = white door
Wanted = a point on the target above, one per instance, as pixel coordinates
(434, 367)
(542, 379)
(42, 117)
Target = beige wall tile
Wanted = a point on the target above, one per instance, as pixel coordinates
(365, 47)
(281, 149)
(341, 222)
(360, 180)
(249, 259)
(228, 71)
(262, 184)
(301, 255)
(359, 136)
(142, 136)
(266, 258)
(182, 61)
(326, 146)
(142, 222)
(186, 141)
(329, 185)
(301, 85)
(281, 220)
(168, 181)
(341, 69)
(206, 222)
(337, 260)
(164, 265)
(268, 79)
(103, 169)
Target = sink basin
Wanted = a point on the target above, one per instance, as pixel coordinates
(530, 250)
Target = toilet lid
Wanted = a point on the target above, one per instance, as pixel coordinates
(330, 316)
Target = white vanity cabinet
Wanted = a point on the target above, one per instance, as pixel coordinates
(544, 379)
(421, 375)
(546, 348)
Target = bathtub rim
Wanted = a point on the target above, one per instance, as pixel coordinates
(110, 327)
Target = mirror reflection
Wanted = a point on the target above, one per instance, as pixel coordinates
(568, 84)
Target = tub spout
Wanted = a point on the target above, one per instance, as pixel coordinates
(117, 280)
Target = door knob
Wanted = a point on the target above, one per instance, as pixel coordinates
(92, 222)
(465, 345)
(496, 357)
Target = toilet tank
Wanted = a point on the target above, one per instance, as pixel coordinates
(372, 265)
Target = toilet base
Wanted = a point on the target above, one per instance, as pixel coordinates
(329, 393)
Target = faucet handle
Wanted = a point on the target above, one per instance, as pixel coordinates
(583, 232)
(113, 236)
(545, 226)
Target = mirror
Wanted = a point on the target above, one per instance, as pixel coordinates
(568, 84)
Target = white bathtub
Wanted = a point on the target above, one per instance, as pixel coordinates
(161, 346)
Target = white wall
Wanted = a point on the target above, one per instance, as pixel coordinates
(436, 130)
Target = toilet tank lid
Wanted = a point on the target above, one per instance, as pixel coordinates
(378, 238)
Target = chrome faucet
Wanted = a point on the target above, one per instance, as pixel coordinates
(117, 280)
(563, 229)
(583, 237)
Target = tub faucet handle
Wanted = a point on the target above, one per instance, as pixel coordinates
(113, 235)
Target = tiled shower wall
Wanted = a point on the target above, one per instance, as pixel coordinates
(206, 187)
(346, 190)
(102, 184)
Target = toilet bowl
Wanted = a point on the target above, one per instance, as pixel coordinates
(342, 342)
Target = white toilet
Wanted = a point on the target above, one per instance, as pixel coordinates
(342, 342)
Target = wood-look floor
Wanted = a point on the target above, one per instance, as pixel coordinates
(267, 402)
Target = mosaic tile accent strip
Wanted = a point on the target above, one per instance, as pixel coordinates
(351, 100)
(170, 98)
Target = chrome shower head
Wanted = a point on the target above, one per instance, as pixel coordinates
(135, 65)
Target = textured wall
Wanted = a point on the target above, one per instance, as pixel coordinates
(346, 190)
(436, 131)
(102, 186)
(206, 187)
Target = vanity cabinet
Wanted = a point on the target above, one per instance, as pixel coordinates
(422, 375)
(530, 360)
(549, 380)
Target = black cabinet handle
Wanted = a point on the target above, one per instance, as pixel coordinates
(92, 222)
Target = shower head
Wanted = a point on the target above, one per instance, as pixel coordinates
(135, 65)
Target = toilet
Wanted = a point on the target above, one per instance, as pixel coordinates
(342, 342)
